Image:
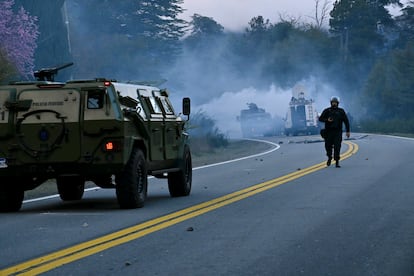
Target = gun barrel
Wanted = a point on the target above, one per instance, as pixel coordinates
(49, 73)
(64, 66)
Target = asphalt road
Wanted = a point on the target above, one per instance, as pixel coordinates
(281, 213)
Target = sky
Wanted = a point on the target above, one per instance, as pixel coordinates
(234, 15)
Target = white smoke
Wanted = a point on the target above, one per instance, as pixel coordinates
(225, 108)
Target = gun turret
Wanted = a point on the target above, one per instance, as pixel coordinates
(48, 74)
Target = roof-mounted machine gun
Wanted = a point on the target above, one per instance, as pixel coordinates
(48, 74)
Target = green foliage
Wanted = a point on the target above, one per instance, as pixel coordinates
(141, 37)
(204, 135)
(286, 52)
(359, 25)
(7, 69)
(406, 23)
(393, 126)
(204, 26)
(203, 31)
(390, 86)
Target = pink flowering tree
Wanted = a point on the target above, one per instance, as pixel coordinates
(18, 34)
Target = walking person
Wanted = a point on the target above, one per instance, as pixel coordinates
(334, 117)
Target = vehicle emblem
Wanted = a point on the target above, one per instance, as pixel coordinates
(43, 135)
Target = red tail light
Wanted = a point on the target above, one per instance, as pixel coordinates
(112, 146)
(109, 146)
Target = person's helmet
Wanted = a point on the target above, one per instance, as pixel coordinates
(335, 99)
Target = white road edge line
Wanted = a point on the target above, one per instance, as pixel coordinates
(276, 147)
(398, 137)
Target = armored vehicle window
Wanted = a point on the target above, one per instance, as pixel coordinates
(167, 106)
(154, 106)
(95, 99)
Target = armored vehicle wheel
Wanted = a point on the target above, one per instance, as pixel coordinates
(179, 183)
(132, 183)
(11, 197)
(70, 187)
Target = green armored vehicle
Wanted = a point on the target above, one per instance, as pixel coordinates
(113, 134)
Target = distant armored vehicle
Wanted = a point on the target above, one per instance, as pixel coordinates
(301, 117)
(256, 122)
(113, 134)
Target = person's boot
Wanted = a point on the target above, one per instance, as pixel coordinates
(337, 164)
(328, 163)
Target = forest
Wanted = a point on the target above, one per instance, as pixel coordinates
(358, 49)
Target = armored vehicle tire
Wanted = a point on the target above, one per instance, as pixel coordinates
(11, 197)
(70, 187)
(179, 183)
(131, 185)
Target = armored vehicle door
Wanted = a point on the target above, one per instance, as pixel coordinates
(172, 127)
(50, 122)
(42, 119)
(155, 125)
(101, 118)
(5, 125)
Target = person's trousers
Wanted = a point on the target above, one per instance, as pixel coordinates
(333, 142)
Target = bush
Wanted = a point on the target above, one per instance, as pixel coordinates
(204, 135)
(7, 69)
(388, 126)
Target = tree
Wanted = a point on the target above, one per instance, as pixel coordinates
(203, 30)
(256, 42)
(18, 31)
(160, 22)
(150, 30)
(357, 27)
(7, 69)
(321, 13)
(406, 24)
(205, 26)
(358, 24)
(53, 41)
(390, 86)
(258, 25)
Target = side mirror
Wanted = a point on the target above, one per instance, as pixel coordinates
(186, 106)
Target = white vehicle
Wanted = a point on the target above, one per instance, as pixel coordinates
(302, 117)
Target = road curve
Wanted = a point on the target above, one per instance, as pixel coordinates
(236, 210)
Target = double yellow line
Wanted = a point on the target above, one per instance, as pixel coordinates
(82, 250)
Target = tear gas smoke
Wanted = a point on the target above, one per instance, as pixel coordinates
(218, 81)
(225, 108)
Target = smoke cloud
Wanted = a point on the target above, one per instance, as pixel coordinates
(225, 108)
(218, 81)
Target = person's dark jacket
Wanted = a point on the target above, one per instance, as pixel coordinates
(339, 117)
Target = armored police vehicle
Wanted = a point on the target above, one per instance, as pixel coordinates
(110, 133)
(256, 122)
